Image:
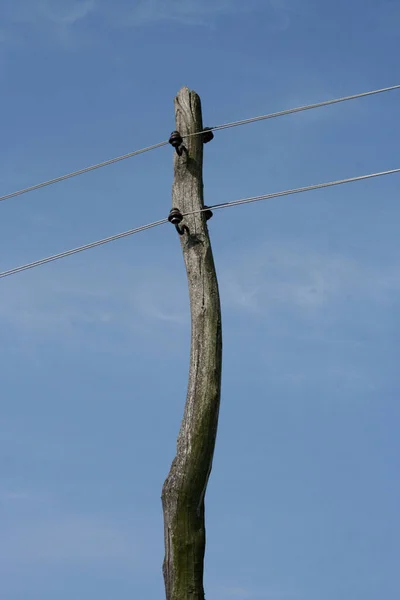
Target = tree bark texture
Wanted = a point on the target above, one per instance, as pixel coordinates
(185, 487)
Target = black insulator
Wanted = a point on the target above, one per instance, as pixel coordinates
(208, 213)
(207, 135)
(175, 139)
(175, 216)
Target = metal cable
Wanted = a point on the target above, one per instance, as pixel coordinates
(112, 238)
(217, 128)
(308, 188)
(106, 240)
(82, 171)
(291, 111)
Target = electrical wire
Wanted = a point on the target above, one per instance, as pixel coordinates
(82, 171)
(216, 128)
(291, 111)
(112, 238)
(106, 240)
(309, 188)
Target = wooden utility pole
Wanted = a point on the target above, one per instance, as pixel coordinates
(185, 487)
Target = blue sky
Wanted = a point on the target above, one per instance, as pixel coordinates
(303, 499)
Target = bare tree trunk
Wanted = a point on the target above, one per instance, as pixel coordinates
(185, 487)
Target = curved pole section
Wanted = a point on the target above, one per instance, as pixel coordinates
(185, 487)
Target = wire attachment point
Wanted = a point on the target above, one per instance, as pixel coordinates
(175, 217)
(207, 135)
(176, 142)
(208, 213)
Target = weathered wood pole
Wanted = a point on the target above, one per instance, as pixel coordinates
(185, 487)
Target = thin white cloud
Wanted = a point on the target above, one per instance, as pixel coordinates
(32, 12)
(238, 293)
(233, 593)
(303, 280)
(50, 303)
(66, 13)
(52, 21)
(226, 592)
(197, 12)
(73, 539)
(388, 18)
(54, 304)
(328, 305)
(54, 301)
(13, 496)
(185, 11)
(56, 18)
(161, 297)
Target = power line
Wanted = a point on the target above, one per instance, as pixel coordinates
(296, 110)
(106, 240)
(309, 188)
(82, 171)
(112, 238)
(216, 128)
(291, 111)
